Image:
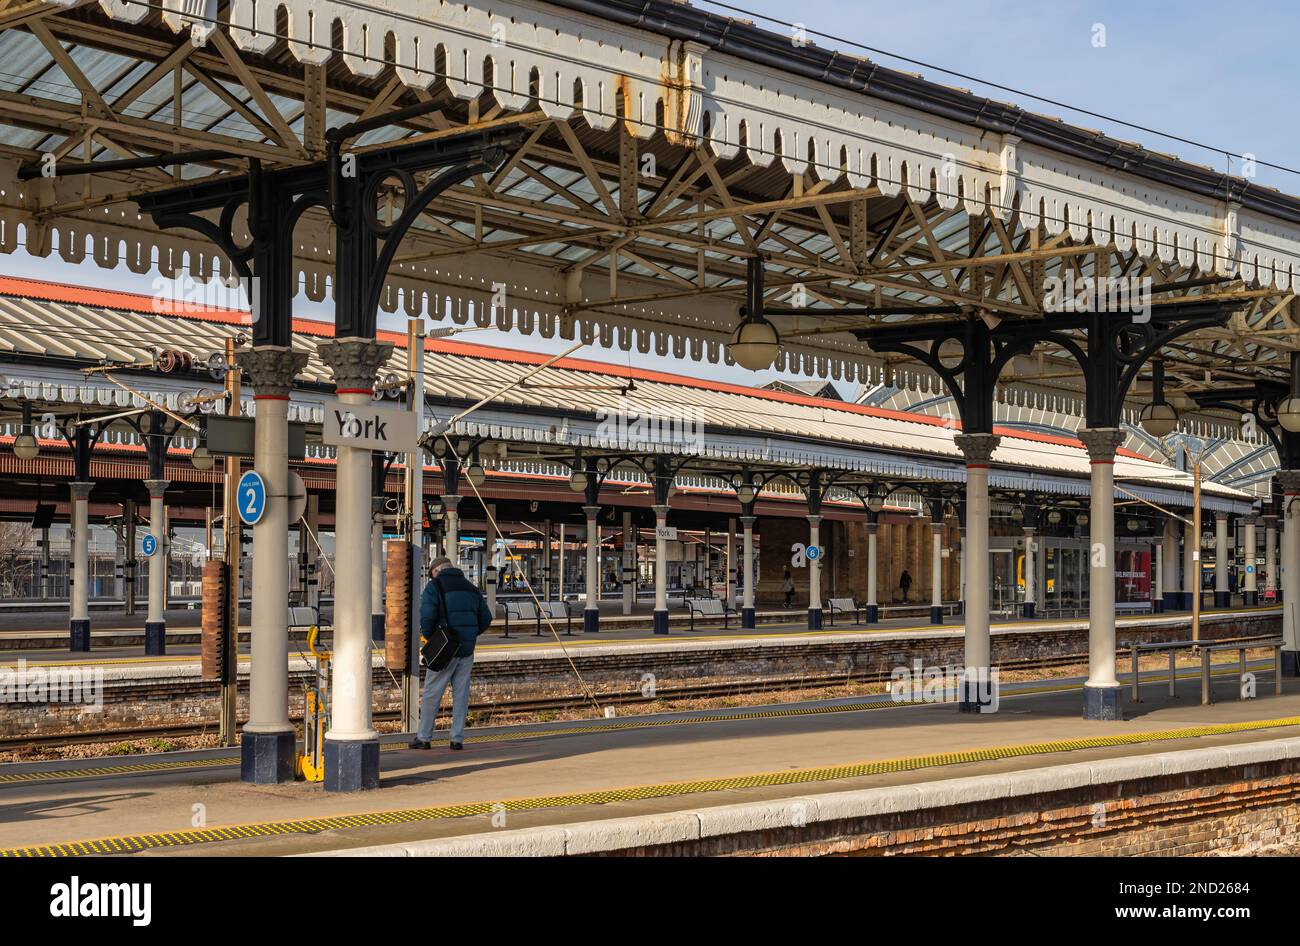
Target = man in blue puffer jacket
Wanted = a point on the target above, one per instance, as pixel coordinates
(451, 599)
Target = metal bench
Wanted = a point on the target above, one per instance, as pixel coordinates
(836, 606)
(523, 610)
(303, 618)
(559, 609)
(710, 608)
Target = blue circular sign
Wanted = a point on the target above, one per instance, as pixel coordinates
(813, 553)
(250, 497)
(149, 545)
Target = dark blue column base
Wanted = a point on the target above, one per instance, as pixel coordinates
(661, 622)
(1028, 609)
(1222, 599)
(1251, 599)
(1291, 663)
(155, 638)
(873, 614)
(936, 615)
(1172, 601)
(351, 766)
(377, 628)
(747, 619)
(1103, 703)
(591, 621)
(79, 637)
(1158, 606)
(266, 758)
(814, 619)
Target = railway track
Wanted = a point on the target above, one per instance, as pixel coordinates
(504, 711)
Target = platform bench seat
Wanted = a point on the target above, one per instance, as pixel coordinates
(522, 611)
(845, 606)
(710, 608)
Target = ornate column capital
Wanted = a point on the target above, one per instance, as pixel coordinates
(1251, 520)
(1290, 480)
(977, 448)
(270, 369)
(592, 512)
(354, 361)
(747, 522)
(450, 502)
(157, 487)
(80, 490)
(1102, 443)
(661, 511)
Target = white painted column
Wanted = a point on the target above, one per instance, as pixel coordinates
(1222, 596)
(1031, 573)
(872, 605)
(1158, 589)
(79, 592)
(629, 563)
(815, 574)
(661, 571)
(1103, 696)
(1172, 576)
(267, 744)
(490, 557)
(351, 744)
(1270, 558)
(547, 552)
(560, 555)
(313, 550)
(1290, 578)
(1250, 580)
(978, 451)
(748, 572)
(591, 613)
(1191, 563)
(936, 572)
(730, 564)
(451, 520)
(155, 625)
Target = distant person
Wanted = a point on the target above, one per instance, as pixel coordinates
(452, 601)
(905, 584)
(788, 587)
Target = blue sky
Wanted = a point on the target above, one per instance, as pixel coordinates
(1195, 69)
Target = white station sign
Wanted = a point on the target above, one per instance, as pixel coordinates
(666, 532)
(364, 427)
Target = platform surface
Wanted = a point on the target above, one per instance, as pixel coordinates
(190, 803)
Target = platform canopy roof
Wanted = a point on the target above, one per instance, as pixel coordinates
(55, 338)
(665, 147)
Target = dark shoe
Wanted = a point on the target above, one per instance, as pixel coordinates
(417, 744)
(457, 746)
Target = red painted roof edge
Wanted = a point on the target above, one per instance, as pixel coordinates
(137, 302)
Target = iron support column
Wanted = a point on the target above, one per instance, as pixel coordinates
(1172, 575)
(1031, 575)
(1250, 580)
(267, 745)
(451, 520)
(1222, 596)
(591, 610)
(155, 625)
(629, 563)
(1103, 696)
(936, 572)
(1290, 481)
(978, 451)
(661, 570)
(747, 614)
(547, 552)
(873, 608)
(490, 556)
(815, 575)
(352, 745)
(1191, 564)
(1270, 558)
(79, 576)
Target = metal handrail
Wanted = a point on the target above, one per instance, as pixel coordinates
(1206, 650)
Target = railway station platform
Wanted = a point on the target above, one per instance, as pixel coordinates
(527, 789)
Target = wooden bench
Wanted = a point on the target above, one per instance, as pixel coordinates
(845, 606)
(710, 608)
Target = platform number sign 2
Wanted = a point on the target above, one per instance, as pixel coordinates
(251, 498)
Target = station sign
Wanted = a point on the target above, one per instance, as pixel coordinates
(149, 545)
(365, 427)
(668, 533)
(250, 497)
(233, 437)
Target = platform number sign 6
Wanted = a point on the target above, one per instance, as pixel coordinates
(251, 495)
(803, 554)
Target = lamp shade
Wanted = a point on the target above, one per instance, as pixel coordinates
(745, 493)
(1082, 519)
(1288, 414)
(476, 474)
(25, 446)
(1054, 517)
(1159, 419)
(578, 480)
(755, 345)
(201, 459)
(875, 504)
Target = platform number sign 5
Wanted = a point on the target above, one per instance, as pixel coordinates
(149, 545)
(251, 498)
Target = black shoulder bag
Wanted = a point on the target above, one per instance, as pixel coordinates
(441, 645)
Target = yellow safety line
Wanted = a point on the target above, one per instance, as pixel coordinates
(306, 826)
(623, 726)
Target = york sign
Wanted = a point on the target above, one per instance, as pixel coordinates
(391, 429)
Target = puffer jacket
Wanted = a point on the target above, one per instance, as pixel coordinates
(466, 611)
